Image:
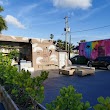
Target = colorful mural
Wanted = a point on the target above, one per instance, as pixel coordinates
(94, 49)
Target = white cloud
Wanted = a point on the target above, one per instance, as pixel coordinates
(1, 2)
(4, 2)
(93, 11)
(83, 4)
(27, 9)
(12, 20)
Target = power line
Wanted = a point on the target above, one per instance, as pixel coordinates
(91, 29)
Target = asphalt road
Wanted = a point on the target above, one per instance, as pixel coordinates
(1, 107)
(91, 86)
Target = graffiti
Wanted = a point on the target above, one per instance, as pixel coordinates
(101, 51)
(94, 49)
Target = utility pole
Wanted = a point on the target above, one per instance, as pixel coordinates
(67, 30)
(69, 46)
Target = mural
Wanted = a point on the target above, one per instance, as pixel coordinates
(94, 49)
(44, 55)
(41, 52)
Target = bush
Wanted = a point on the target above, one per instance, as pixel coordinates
(20, 85)
(104, 104)
(69, 99)
(13, 54)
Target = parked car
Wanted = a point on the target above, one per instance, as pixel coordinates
(79, 59)
(100, 62)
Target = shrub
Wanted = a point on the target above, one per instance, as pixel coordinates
(104, 104)
(23, 88)
(13, 54)
(69, 99)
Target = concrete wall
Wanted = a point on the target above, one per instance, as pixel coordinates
(44, 55)
(43, 52)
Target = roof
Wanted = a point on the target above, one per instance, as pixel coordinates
(24, 39)
(94, 41)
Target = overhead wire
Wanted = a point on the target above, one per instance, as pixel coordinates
(91, 29)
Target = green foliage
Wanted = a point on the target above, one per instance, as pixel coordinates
(69, 99)
(61, 45)
(25, 89)
(83, 40)
(20, 85)
(1, 9)
(51, 36)
(4, 63)
(13, 54)
(3, 25)
(104, 104)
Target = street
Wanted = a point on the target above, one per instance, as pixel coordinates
(91, 86)
(1, 107)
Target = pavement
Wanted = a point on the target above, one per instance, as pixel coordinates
(1, 107)
(91, 86)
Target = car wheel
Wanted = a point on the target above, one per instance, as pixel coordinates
(108, 67)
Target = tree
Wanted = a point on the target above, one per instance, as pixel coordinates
(61, 45)
(3, 25)
(51, 36)
(71, 47)
(83, 40)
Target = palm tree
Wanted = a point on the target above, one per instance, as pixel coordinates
(51, 36)
(60, 44)
(3, 25)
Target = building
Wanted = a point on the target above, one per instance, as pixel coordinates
(94, 49)
(34, 53)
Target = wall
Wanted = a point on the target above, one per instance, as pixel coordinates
(44, 54)
(40, 51)
(94, 49)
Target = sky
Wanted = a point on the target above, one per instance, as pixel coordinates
(40, 18)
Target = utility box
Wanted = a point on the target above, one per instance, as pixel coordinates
(63, 58)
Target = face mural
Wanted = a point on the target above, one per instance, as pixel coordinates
(94, 49)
